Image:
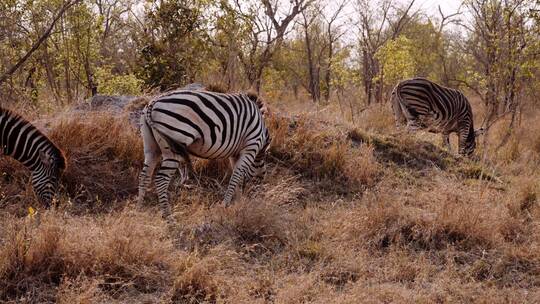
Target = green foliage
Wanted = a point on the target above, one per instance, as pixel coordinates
(112, 84)
(288, 70)
(173, 47)
(428, 48)
(126, 46)
(343, 73)
(397, 60)
(274, 82)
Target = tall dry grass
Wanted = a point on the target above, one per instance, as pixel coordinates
(104, 157)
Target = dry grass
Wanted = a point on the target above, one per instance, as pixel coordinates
(118, 252)
(321, 153)
(346, 214)
(104, 157)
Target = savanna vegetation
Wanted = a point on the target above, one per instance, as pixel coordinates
(350, 210)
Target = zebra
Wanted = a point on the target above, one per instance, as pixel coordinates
(25, 143)
(204, 124)
(422, 104)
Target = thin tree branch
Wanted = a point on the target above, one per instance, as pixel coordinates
(38, 43)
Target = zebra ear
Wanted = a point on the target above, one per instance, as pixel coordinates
(479, 132)
(252, 94)
(45, 158)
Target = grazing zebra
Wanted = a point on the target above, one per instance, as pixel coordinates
(25, 143)
(205, 124)
(423, 104)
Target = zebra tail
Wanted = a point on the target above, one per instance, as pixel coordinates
(147, 114)
(177, 148)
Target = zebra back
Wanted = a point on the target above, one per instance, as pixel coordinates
(21, 140)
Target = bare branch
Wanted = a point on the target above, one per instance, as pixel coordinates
(401, 22)
(38, 43)
(448, 18)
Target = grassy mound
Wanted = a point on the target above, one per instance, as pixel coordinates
(104, 156)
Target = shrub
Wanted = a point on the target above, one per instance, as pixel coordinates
(110, 84)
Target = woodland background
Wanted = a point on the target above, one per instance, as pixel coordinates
(350, 52)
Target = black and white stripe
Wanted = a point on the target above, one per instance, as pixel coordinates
(25, 143)
(205, 124)
(423, 104)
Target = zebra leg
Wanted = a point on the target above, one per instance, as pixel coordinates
(446, 142)
(399, 117)
(184, 174)
(237, 178)
(169, 166)
(232, 161)
(152, 154)
(238, 192)
(145, 178)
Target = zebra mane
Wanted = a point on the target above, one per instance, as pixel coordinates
(57, 154)
(253, 96)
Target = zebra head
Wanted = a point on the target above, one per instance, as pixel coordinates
(46, 176)
(395, 104)
(259, 163)
(470, 144)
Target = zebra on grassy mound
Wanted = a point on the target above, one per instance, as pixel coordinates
(423, 104)
(204, 124)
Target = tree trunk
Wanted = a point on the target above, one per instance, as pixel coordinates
(327, 77)
(67, 76)
(51, 78)
(314, 89)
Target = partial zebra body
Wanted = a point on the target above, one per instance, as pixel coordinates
(207, 125)
(423, 104)
(25, 143)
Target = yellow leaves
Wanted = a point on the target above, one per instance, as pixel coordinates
(110, 84)
(397, 60)
(31, 212)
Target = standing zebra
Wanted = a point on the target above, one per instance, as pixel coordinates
(423, 104)
(207, 125)
(25, 143)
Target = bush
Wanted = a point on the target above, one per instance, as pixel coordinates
(320, 154)
(110, 84)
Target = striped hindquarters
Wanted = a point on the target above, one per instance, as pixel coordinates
(25, 143)
(210, 125)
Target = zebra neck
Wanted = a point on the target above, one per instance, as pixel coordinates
(24, 142)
